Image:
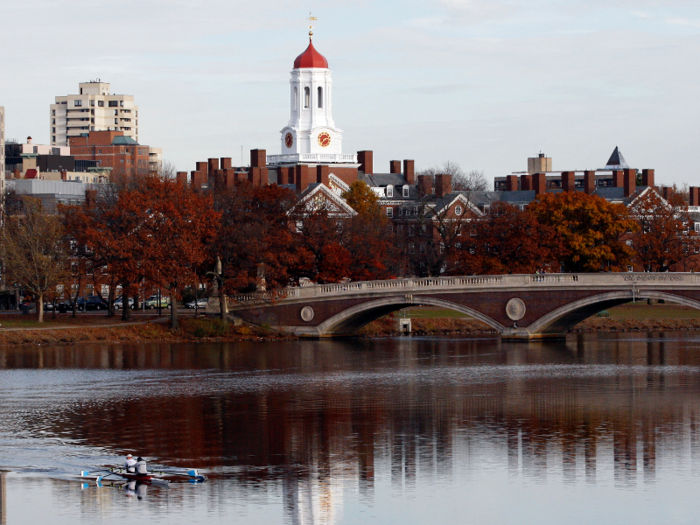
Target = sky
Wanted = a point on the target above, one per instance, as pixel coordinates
(484, 83)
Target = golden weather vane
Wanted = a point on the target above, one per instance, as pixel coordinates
(311, 19)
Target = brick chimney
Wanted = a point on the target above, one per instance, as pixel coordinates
(539, 183)
(212, 166)
(443, 185)
(511, 183)
(525, 182)
(425, 184)
(630, 181)
(258, 158)
(202, 166)
(226, 163)
(667, 191)
(394, 166)
(568, 180)
(618, 179)
(90, 199)
(409, 171)
(366, 160)
(694, 196)
(648, 178)
(181, 177)
(589, 182)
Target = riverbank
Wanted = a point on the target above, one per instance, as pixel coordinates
(21, 330)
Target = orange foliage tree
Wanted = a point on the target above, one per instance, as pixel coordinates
(590, 229)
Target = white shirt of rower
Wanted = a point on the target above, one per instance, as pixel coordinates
(130, 465)
(141, 467)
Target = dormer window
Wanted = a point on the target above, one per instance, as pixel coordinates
(405, 191)
(390, 191)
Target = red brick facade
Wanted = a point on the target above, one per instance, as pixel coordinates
(121, 158)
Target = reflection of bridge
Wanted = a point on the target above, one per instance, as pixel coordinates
(516, 306)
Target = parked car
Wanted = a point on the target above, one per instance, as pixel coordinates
(152, 302)
(119, 303)
(94, 302)
(200, 303)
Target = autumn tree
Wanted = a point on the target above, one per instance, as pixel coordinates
(32, 251)
(590, 229)
(106, 231)
(666, 234)
(507, 240)
(368, 239)
(253, 238)
(178, 224)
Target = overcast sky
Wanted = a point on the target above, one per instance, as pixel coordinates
(485, 83)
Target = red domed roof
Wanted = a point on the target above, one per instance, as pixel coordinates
(311, 58)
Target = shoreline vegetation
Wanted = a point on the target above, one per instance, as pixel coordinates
(23, 330)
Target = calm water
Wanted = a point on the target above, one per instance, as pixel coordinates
(595, 429)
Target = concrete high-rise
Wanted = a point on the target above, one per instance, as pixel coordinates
(93, 109)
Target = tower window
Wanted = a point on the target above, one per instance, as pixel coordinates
(307, 97)
(296, 99)
(320, 97)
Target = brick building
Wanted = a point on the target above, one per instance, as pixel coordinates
(113, 151)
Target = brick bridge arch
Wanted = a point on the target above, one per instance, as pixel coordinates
(516, 306)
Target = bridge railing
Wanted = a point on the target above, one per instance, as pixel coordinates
(480, 281)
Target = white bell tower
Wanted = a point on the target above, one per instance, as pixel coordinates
(311, 135)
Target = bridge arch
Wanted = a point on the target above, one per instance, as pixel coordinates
(566, 317)
(351, 320)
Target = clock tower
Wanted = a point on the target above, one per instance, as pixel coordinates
(311, 135)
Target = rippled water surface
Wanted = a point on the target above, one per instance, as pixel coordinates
(594, 429)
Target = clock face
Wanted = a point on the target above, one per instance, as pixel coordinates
(324, 140)
(289, 140)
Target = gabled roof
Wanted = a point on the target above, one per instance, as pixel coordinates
(312, 196)
(616, 161)
(444, 203)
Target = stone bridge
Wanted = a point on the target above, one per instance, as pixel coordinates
(516, 306)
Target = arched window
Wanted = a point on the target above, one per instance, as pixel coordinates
(307, 97)
(296, 98)
(320, 97)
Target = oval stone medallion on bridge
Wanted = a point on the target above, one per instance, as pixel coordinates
(515, 309)
(307, 313)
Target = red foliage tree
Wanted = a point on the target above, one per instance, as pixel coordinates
(507, 240)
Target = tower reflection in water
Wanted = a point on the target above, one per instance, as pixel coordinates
(320, 418)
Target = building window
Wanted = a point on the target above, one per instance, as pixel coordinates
(113, 103)
(411, 230)
(389, 191)
(77, 103)
(307, 97)
(121, 103)
(405, 191)
(458, 210)
(390, 228)
(399, 229)
(116, 121)
(458, 245)
(390, 212)
(296, 99)
(53, 112)
(300, 226)
(320, 97)
(92, 103)
(100, 103)
(422, 248)
(411, 248)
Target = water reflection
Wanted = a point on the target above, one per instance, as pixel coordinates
(316, 422)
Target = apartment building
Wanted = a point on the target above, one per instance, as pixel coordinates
(94, 108)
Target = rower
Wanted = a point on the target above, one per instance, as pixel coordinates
(141, 467)
(130, 465)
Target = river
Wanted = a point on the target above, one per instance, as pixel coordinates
(595, 429)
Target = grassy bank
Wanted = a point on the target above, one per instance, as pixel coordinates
(96, 330)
